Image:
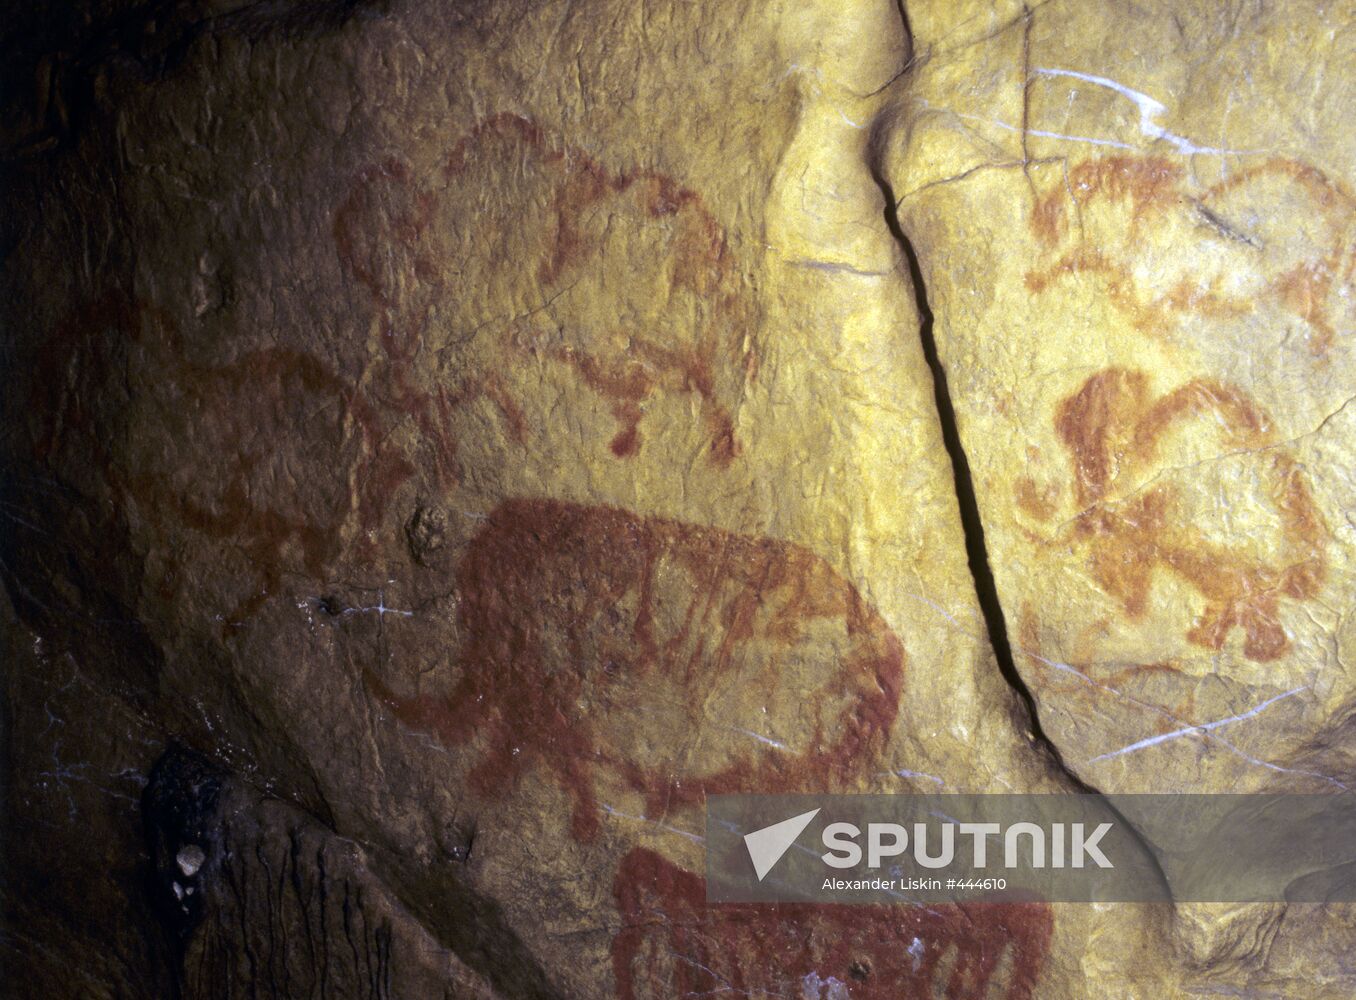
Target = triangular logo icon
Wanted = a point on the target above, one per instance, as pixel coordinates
(766, 846)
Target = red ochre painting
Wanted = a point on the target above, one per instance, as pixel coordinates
(606, 647)
(672, 944)
(1130, 526)
(1303, 269)
(678, 318)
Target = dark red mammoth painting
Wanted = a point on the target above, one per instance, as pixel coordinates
(672, 944)
(620, 652)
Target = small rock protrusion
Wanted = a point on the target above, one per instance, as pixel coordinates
(426, 531)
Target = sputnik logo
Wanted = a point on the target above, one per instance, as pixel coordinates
(766, 846)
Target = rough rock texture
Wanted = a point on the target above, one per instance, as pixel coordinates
(444, 442)
(1139, 260)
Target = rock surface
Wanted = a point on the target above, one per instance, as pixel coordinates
(444, 442)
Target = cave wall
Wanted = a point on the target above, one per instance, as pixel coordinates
(444, 442)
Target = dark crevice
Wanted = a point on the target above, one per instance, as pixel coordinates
(995, 623)
(976, 552)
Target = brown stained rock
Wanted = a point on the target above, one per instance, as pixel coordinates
(263, 901)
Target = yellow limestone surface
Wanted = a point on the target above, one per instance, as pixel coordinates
(518, 420)
(1138, 246)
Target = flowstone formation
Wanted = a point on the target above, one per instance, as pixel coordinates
(446, 442)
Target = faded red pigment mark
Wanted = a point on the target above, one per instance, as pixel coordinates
(379, 232)
(1111, 426)
(572, 614)
(408, 240)
(112, 342)
(1153, 189)
(1134, 685)
(228, 430)
(673, 944)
